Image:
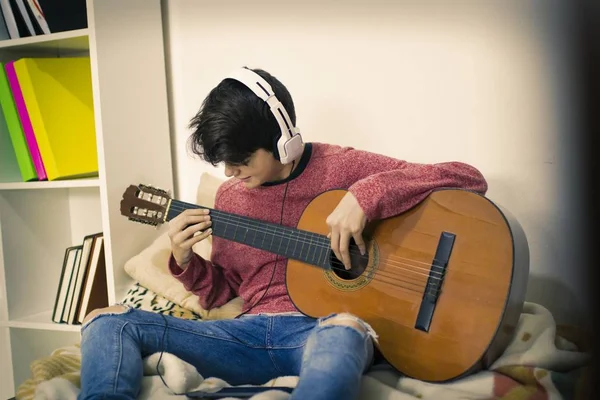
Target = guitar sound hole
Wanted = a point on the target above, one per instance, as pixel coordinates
(359, 263)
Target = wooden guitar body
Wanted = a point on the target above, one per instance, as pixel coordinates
(442, 284)
(480, 298)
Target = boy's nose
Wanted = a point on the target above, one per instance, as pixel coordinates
(229, 171)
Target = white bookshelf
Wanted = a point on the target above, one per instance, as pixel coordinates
(39, 220)
(74, 41)
(39, 321)
(75, 183)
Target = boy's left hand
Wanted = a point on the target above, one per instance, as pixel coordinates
(347, 220)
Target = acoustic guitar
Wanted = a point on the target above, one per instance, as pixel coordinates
(442, 284)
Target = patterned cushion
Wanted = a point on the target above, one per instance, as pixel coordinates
(145, 299)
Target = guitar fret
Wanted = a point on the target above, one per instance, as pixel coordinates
(304, 239)
(322, 262)
(272, 237)
(317, 249)
(253, 236)
(225, 229)
(235, 231)
(302, 249)
(320, 252)
(275, 237)
(281, 237)
(287, 246)
(310, 247)
(321, 247)
(295, 245)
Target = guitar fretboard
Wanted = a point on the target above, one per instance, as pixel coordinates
(297, 244)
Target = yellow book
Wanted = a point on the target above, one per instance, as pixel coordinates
(59, 101)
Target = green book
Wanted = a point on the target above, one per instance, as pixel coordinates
(10, 122)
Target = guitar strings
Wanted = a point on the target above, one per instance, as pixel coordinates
(324, 244)
(321, 242)
(313, 239)
(418, 284)
(308, 238)
(396, 281)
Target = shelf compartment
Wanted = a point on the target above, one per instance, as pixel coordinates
(37, 227)
(72, 41)
(41, 321)
(70, 183)
(28, 345)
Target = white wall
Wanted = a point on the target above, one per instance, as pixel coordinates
(480, 83)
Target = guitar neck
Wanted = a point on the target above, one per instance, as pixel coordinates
(304, 246)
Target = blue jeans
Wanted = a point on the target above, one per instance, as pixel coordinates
(253, 349)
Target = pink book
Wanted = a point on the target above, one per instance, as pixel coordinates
(36, 157)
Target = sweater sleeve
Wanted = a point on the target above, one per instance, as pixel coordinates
(384, 186)
(204, 279)
(210, 282)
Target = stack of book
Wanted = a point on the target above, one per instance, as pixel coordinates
(82, 284)
(48, 117)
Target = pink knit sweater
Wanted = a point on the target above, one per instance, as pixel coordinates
(382, 185)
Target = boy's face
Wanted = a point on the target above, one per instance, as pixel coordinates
(262, 167)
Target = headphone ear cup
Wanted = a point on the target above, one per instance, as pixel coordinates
(292, 148)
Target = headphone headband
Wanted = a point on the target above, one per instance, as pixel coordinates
(289, 145)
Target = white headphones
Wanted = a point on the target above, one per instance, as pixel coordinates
(289, 145)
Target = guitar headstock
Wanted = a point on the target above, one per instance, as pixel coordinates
(145, 204)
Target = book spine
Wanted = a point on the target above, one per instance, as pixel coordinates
(15, 130)
(18, 85)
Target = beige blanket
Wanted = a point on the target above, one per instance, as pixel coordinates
(537, 365)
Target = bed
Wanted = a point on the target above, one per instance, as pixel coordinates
(543, 360)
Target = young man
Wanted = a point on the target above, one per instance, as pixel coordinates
(248, 123)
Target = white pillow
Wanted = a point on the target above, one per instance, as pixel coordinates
(150, 268)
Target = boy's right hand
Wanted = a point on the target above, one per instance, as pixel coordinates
(187, 229)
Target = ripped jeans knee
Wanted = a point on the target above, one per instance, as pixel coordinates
(116, 309)
(337, 336)
(347, 319)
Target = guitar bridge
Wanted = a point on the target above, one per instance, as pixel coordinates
(434, 281)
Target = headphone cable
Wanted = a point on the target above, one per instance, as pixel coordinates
(162, 340)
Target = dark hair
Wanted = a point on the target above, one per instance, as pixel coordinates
(233, 122)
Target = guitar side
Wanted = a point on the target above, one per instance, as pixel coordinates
(480, 294)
